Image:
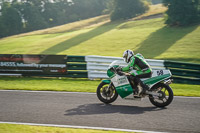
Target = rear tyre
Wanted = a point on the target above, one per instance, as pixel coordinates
(106, 94)
(166, 95)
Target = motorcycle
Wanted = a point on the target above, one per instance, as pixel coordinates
(160, 93)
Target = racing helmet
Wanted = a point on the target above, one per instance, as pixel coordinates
(127, 55)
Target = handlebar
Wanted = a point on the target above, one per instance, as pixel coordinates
(119, 72)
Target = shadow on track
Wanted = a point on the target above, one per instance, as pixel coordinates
(91, 109)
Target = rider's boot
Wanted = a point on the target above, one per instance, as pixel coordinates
(136, 92)
(144, 88)
(134, 87)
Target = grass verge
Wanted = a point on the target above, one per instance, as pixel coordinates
(10, 128)
(48, 84)
(76, 85)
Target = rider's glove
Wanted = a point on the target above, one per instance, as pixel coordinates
(120, 73)
(118, 69)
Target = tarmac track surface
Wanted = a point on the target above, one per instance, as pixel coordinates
(84, 109)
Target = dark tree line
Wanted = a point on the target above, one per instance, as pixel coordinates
(28, 15)
(126, 9)
(19, 16)
(155, 1)
(182, 12)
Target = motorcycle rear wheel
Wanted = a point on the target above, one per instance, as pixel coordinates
(105, 94)
(165, 99)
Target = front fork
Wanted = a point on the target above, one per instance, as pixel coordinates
(107, 82)
(109, 87)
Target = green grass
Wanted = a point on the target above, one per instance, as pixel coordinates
(10, 128)
(98, 36)
(48, 84)
(186, 90)
(76, 85)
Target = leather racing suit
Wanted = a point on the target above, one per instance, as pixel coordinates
(142, 68)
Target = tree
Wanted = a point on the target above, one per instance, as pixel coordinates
(2, 28)
(10, 20)
(182, 12)
(18, 16)
(33, 17)
(88, 8)
(109, 6)
(126, 9)
(157, 1)
(53, 15)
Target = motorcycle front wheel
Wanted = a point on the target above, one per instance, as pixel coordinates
(165, 98)
(106, 93)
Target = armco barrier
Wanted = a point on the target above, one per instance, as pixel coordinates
(182, 65)
(94, 67)
(188, 73)
(76, 67)
(185, 73)
(97, 65)
(75, 58)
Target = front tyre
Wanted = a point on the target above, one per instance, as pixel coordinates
(165, 98)
(106, 93)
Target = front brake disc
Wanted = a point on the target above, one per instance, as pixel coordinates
(107, 92)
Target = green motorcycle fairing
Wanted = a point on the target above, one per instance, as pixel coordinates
(154, 80)
(126, 89)
(122, 85)
(106, 81)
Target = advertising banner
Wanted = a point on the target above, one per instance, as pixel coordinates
(33, 64)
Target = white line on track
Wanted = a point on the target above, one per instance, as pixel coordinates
(58, 92)
(79, 127)
(84, 93)
(187, 97)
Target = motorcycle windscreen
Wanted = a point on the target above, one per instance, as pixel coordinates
(122, 86)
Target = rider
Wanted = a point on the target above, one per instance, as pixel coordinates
(142, 68)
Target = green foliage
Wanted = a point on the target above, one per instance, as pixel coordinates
(87, 8)
(182, 12)
(2, 28)
(53, 16)
(109, 6)
(156, 1)
(29, 15)
(10, 20)
(33, 17)
(126, 9)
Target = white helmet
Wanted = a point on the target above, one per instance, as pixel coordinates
(127, 55)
